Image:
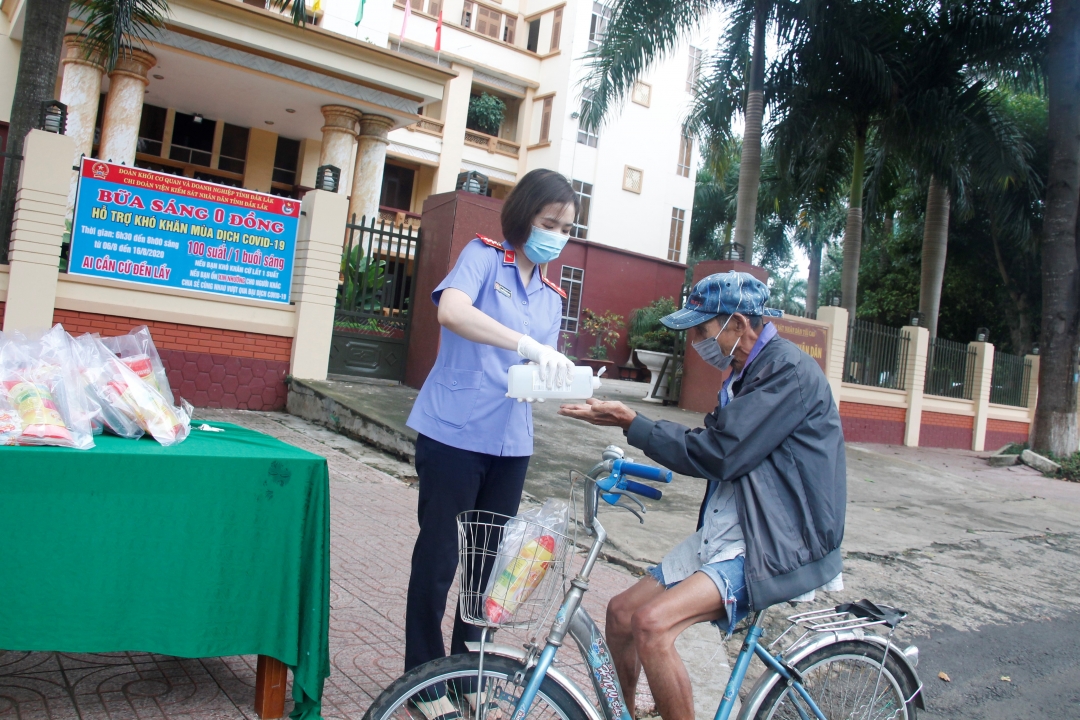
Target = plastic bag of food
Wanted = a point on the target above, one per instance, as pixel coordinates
(137, 351)
(117, 415)
(41, 382)
(10, 424)
(528, 546)
(121, 388)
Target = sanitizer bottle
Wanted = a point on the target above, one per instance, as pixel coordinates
(524, 382)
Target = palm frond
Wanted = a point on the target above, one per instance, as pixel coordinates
(113, 28)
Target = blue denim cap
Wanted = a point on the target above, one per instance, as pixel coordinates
(722, 294)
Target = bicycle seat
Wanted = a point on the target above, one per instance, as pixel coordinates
(870, 611)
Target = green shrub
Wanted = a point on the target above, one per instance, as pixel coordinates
(486, 113)
(646, 330)
(1070, 467)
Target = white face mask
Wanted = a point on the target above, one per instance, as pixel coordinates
(710, 351)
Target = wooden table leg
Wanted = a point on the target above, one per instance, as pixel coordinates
(270, 677)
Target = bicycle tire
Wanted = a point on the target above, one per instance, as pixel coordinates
(552, 701)
(853, 665)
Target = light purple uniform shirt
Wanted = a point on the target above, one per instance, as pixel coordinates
(463, 402)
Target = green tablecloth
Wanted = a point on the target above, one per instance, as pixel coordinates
(217, 546)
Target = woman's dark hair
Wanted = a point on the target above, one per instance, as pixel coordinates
(535, 191)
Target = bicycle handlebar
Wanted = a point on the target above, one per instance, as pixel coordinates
(646, 472)
(643, 490)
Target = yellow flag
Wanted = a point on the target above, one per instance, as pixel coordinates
(316, 6)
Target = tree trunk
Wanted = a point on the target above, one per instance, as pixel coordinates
(39, 64)
(935, 243)
(849, 275)
(750, 160)
(1055, 418)
(813, 279)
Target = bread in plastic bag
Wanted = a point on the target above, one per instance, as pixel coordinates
(117, 415)
(40, 380)
(137, 351)
(528, 545)
(122, 389)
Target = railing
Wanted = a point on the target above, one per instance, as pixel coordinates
(1011, 380)
(795, 311)
(876, 355)
(732, 251)
(398, 218)
(427, 125)
(950, 369)
(376, 279)
(491, 143)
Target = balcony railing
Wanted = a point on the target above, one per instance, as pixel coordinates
(427, 125)
(491, 143)
(393, 217)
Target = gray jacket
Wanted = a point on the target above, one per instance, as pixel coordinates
(780, 441)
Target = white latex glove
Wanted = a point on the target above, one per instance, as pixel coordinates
(527, 399)
(556, 370)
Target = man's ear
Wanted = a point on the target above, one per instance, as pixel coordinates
(740, 322)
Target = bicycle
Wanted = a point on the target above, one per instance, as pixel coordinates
(837, 668)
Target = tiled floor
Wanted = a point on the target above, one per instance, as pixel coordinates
(373, 527)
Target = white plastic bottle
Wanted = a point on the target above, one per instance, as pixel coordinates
(524, 382)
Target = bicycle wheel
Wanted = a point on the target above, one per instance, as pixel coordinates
(452, 676)
(842, 678)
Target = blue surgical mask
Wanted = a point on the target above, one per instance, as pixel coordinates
(710, 351)
(544, 245)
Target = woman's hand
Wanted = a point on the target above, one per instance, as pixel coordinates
(556, 370)
(601, 412)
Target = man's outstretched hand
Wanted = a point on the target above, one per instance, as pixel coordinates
(601, 412)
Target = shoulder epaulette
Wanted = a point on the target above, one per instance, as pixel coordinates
(553, 286)
(489, 242)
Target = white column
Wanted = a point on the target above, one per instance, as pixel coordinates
(915, 380)
(80, 90)
(456, 110)
(837, 319)
(315, 281)
(38, 228)
(123, 107)
(367, 176)
(338, 138)
(980, 391)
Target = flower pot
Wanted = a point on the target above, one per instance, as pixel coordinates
(597, 364)
(654, 361)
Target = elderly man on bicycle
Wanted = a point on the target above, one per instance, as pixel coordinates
(772, 518)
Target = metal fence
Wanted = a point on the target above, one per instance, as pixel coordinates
(876, 355)
(1011, 379)
(950, 369)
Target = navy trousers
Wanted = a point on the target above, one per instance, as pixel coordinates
(451, 481)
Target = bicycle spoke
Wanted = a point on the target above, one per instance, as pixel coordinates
(842, 687)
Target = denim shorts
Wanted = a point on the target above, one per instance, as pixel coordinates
(730, 581)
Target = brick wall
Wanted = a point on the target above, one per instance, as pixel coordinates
(1003, 432)
(208, 367)
(945, 430)
(872, 423)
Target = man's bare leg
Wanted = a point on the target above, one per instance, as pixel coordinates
(656, 624)
(620, 634)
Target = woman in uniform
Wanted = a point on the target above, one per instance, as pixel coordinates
(496, 309)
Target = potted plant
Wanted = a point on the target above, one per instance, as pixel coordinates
(486, 113)
(653, 344)
(605, 329)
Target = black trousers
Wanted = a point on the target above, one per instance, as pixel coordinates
(451, 481)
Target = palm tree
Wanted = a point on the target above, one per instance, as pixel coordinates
(787, 291)
(39, 60)
(640, 32)
(1055, 418)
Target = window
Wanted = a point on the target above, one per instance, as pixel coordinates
(632, 178)
(509, 28)
(694, 69)
(686, 149)
(545, 120)
(572, 279)
(586, 137)
(601, 15)
(192, 139)
(642, 93)
(433, 8)
(674, 249)
(486, 21)
(581, 222)
(556, 30)
(466, 15)
(534, 36)
(286, 160)
(397, 187)
(151, 130)
(234, 142)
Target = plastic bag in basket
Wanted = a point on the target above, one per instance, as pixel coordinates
(137, 351)
(525, 553)
(10, 423)
(116, 415)
(121, 389)
(41, 383)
